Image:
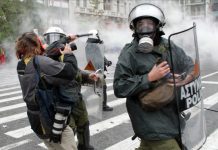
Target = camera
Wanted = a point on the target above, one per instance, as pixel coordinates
(54, 51)
(72, 46)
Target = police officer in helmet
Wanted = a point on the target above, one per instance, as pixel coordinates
(137, 71)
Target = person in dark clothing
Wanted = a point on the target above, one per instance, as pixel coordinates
(137, 71)
(29, 48)
(71, 91)
(107, 63)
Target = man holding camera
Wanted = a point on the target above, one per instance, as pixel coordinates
(71, 92)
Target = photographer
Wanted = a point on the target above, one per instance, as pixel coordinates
(38, 73)
(71, 92)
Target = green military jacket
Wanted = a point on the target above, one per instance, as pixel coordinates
(131, 78)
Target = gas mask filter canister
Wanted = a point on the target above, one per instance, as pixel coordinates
(146, 44)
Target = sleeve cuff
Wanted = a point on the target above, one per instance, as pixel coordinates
(147, 84)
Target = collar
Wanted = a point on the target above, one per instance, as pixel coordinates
(27, 60)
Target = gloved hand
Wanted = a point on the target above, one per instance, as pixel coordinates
(109, 63)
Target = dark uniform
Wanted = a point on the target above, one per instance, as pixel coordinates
(79, 121)
(157, 129)
(107, 63)
(71, 92)
(53, 73)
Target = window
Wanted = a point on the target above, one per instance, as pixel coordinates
(125, 7)
(118, 6)
(77, 2)
(84, 3)
(107, 5)
(214, 7)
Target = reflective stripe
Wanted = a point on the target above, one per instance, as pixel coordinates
(57, 132)
(59, 117)
(58, 126)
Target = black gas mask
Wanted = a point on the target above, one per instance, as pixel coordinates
(145, 30)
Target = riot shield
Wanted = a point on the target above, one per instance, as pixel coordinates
(93, 93)
(187, 82)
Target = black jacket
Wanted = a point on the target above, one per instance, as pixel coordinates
(131, 78)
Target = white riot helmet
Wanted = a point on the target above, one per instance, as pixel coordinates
(146, 10)
(53, 34)
(150, 19)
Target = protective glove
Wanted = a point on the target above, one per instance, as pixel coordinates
(109, 63)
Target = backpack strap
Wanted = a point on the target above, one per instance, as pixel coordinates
(40, 80)
(38, 70)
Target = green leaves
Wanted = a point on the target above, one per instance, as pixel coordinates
(13, 14)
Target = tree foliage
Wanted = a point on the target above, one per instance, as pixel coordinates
(14, 13)
(95, 3)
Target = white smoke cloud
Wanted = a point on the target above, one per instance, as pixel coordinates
(115, 37)
(207, 34)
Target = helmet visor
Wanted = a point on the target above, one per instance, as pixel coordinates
(52, 37)
(145, 25)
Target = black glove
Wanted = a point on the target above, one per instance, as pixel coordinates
(108, 63)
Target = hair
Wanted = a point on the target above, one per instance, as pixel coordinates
(28, 45)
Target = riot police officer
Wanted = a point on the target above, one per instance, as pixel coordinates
(137, 71)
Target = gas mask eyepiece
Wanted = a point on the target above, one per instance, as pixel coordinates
(145, 29)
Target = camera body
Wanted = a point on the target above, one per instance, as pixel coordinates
(72, 46)
(54, 51)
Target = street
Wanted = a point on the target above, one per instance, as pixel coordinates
(112, 132)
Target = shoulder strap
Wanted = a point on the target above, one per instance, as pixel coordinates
(38, 74)
(36, 68)
(40, 80)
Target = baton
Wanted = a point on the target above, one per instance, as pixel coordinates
(82, 35)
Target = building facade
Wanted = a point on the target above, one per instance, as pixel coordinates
(196, 9)
(105, 12)
(212, 9)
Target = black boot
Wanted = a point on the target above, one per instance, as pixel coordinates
(84, 138)
(105, 106)
(82, 147)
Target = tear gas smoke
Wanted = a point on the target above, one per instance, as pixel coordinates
(207, 34)
(115, 37)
